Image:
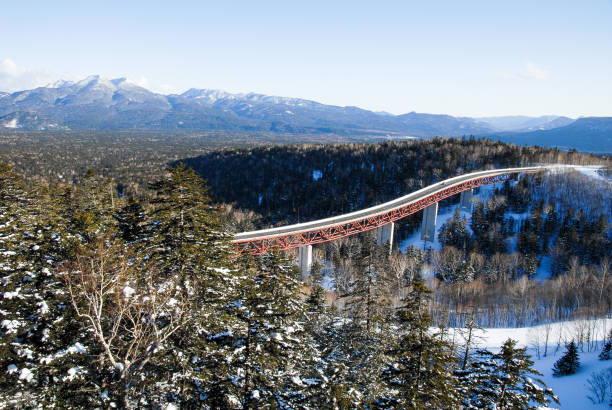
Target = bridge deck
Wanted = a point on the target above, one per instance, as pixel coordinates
(328, 229)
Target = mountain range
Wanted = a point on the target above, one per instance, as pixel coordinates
(96, 103)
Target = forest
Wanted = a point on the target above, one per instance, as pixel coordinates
(130, 298)
(110, 301)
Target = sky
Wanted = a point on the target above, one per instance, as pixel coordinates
(463, 58)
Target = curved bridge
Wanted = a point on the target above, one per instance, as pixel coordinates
(329, 229)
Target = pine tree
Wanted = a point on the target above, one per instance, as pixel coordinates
(568, 363)
(476, 384)
(454, 232)
(36, 329)
(606, 351)
(271, 353)
(517, 389)
(419, 373)
(189, 253)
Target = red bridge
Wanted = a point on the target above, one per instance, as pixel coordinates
(329, 229)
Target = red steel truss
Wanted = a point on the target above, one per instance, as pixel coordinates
(290, 240)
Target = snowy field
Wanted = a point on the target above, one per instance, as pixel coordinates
(572, 390)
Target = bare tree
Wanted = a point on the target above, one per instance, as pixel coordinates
(129, 312)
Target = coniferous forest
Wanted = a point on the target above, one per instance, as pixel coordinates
(132, 298)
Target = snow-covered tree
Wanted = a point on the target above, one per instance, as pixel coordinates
(36, 328)
(419, 370)
(514, 378)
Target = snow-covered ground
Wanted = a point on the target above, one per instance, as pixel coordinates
(572, 390)
(594, 171)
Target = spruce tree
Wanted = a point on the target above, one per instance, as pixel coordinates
(606, 351)
(271, 353)
(186, 248)
(513, 376)
(419, 372)
(36, 329)
(569, 362)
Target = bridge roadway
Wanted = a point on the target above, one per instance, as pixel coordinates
(329, 229)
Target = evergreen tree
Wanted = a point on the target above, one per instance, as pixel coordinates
(37, 334)
(568, 363)
(419, 372)
(454, 233)
(606, 351)
(271, 351)
(517, 388)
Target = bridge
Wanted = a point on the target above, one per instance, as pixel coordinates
(380, 217)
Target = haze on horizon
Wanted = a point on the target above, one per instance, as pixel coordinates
(472, 58)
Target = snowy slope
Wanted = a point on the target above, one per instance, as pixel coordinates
(572, 390)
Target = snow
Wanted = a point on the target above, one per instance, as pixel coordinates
(26, 375)
(572, 390)
(10, 326)
(10, 295)
(43, 307)
(77, 348)
(11, 124)
(73, 373)
(543, 271)
(128, 292)
(11, 368)
(316, 175)
(592, 171)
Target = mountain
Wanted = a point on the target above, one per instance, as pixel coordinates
(590, 134)
(520, 123)
(429, 125)
(96, 103)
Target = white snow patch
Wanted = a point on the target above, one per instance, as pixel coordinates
(11, 124)
(26, 375)
(592, 171)
(316, 174)
(128, 292)
(10, 325)
(77, 348)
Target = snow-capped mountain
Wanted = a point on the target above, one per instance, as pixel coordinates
(96, 103)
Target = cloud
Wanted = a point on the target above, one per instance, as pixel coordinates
(14, 78)
(533, 71)
(141, 82)
(144, 82)
(529, 71)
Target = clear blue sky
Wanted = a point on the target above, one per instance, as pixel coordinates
(473, 58)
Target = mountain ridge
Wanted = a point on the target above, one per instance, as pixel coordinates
(96, 103)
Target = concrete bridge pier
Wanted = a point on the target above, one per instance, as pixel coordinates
(428, 226)
(465, 200)
(305, 260)
(384, 235)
